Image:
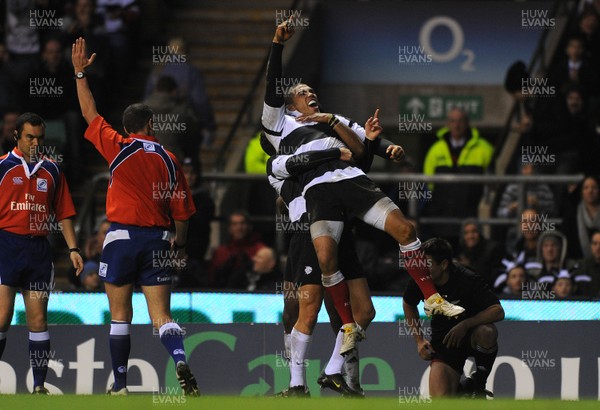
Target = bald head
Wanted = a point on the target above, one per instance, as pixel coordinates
(264, 260)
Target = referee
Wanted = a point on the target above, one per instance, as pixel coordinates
(34, 196)
(146, 189)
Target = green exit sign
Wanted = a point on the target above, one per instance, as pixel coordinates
(436, 107)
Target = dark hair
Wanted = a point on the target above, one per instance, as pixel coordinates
(135, 117)
(438, 249)
(28, 118)
(166, 84)
(514, 77)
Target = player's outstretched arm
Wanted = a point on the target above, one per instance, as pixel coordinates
(68, 232)
(345, 133)
(84, 94)
(412, 319)
(287, 166)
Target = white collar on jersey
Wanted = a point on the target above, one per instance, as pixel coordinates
(25, 167)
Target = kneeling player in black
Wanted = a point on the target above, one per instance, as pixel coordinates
(453, 340)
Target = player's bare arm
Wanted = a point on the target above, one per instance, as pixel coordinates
(84, 94)
(68, 232)
(412, 319)
(492, 314)
(346, 134)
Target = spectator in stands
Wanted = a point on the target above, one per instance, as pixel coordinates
(89, 278)
(119, 22)
(587, 272)
(563, 286)
(190, 85)
(513, 84)
(255, 159)
(482, 255)
(56, 104)
(523, 248)
(459, 150)
(263, 276)
(516, 278)
(7, 90)
(22, 39)
(83, 21)
(552, 256)
(587, 28)
(258, 197)
(574, 68)
(198, 239)
(9, 124)
(537, 196)
(236, 255)
(174, 119)
(584, 218)
(565, 130)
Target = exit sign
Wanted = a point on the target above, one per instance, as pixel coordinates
(436, 107)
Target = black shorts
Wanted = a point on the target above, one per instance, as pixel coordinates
(454, 357)
(343, 200)
(303, 267)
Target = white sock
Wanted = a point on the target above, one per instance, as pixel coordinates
(336, 360)
(299, 345)
(287, 343)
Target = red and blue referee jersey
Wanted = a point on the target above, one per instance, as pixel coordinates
(31, 199)
(146, 184)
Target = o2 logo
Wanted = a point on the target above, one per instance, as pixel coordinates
(456, 48)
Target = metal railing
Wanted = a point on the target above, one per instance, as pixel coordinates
(87, 214)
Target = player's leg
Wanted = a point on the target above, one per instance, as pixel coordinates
(386, 216)
(158, 299)
(310, 297)
(290, 314)
(484, 342)
(443, 380)
(121, 313)
(326, 235)
(7, 306)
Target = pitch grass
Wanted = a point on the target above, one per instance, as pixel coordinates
(141, 402)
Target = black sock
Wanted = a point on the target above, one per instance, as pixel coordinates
(484, 360)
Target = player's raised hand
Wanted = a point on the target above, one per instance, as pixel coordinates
(284, 32)
(372, 126)
(77, 261)
(79, 56)
(395, 152)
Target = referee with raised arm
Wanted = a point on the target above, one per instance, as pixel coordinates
(34, 196)
(146, 189)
